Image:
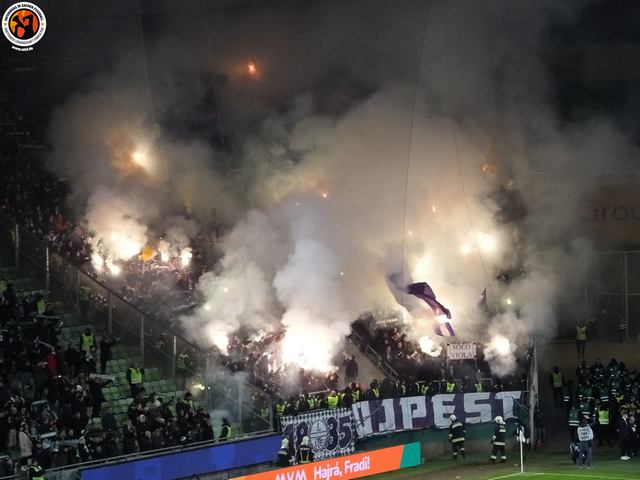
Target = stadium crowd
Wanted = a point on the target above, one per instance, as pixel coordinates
(406, 357)
(51, 396)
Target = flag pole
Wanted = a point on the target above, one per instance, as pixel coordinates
(521, 452)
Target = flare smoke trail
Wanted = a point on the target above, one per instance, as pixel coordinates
(333, 191)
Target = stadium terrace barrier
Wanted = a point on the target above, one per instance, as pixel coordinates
(200, 461)
(352, 466)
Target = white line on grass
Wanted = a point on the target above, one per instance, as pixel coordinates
(599, 477)
(517, 474)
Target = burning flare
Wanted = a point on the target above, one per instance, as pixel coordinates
(429, 347)
(500, 344)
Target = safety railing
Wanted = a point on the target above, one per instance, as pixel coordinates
(373, 355)
(144, 338)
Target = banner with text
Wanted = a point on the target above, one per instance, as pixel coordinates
(377, 417)
(329, 431)
(352, 466)
(461, 351)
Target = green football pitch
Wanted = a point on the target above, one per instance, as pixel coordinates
(543, 465)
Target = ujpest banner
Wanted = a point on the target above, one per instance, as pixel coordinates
(330, 431)
(377, 417)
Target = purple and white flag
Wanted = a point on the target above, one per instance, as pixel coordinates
(424, 292)
(444, 329)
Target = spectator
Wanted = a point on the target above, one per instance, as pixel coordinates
(350, 368)
(129, 438)
(24, 440)
(109, 421)
(624, 436)
(207, 429)
(106, 342)
(225, 431)
(183, 365)
(90, 360)
(585, 437)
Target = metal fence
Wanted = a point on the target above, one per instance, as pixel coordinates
(143, 336)
(372, 355)
(607, 299)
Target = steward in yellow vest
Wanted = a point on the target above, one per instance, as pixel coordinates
(135, 377)
(36, 472)
(333, 400)
(87, 340)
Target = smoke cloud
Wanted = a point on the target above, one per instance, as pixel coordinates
(457, 176)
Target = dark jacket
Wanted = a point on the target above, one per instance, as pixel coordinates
(456, 432)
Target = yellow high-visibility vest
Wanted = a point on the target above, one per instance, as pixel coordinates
(450, 387)
(136, 376)
(182, 361)
(37, 472)
(41, 306)
(557, 379)
(581, 333)
(603, 417)
(84, 294)
(332, 401)
(87, 342)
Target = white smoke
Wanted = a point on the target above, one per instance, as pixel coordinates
(117, 223)
(131, 181)
(316, 319)
(338, 193)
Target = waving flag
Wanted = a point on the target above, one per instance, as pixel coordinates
(423, 291)
(444, 329)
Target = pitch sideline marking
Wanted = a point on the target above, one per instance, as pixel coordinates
(517, 474)
(565, 474)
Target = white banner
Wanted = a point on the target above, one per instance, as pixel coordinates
(330, 431)
(377, 417)
(461, 351)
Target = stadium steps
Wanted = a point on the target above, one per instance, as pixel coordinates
(367, 368)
